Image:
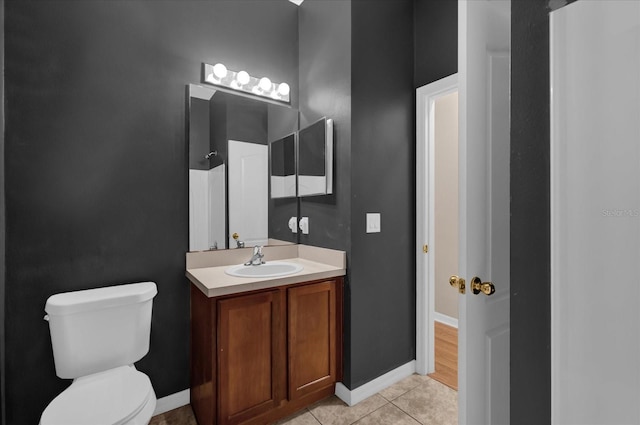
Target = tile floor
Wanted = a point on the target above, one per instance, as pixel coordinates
(416, 400)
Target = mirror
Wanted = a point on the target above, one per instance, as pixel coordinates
(315, 159)
(228, 137)
(283, 167)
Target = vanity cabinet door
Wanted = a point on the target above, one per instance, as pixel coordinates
(312, 338)
(251, 355)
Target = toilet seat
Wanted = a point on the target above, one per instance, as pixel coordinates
(113, 397)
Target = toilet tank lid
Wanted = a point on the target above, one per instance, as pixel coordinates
(98, 298)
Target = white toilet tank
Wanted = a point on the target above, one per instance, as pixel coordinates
(99, 329)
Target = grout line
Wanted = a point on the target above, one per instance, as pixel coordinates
(370, 413)
(408, 414)
(400, 395)
(312, 415)
(413, 417)
(387, 402)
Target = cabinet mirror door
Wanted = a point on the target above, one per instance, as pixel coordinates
(315, 159)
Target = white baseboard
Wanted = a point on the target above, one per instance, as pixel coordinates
(172, 401)
(355, 396)
(447, 320)
(351, 397)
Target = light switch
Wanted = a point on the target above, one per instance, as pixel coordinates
(373, 222)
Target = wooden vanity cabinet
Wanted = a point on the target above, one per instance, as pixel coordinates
(258, 357)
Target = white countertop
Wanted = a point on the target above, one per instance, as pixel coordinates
(206, 270)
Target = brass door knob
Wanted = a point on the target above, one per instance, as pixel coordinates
(457, 282)
(477, 286)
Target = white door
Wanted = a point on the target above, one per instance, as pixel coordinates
(595, 213)
(248, 193)
(483, 77)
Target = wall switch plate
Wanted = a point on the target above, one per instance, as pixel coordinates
(373, 222)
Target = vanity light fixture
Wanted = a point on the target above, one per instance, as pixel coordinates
(219, 75)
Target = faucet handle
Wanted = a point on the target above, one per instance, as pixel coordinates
(239, 243)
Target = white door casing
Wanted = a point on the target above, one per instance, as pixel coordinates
(248, 193)
(426, 98)
(595, 213)
(484, 150)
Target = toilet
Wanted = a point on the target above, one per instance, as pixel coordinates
(97, 335)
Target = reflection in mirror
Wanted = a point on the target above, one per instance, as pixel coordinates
(283, 167)
(315, 159)
(228, 170)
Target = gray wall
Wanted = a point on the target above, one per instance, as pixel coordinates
(357, 67)
(436, 40)
(530, 254)
(382, 280)
(325, 90)
(341, 46)
(96, 161)
(2, 227)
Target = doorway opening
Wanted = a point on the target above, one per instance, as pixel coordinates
(445, 249)
(437, 229)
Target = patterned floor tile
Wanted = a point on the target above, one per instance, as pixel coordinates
(399, 388)
(333, 411)
(430, 403)
(387, 415)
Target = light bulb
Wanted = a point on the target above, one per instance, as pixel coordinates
(220, 71)
(284, 89)
(243, 77)
(265, 84)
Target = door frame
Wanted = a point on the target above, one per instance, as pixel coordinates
(425, 207)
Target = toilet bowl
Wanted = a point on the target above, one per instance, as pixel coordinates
(96, 336)
(120, 396)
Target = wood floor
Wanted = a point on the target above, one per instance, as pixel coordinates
(446, 339)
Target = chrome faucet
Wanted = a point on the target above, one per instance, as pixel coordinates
(256, 258)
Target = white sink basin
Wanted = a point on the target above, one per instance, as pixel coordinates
(268, 269)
